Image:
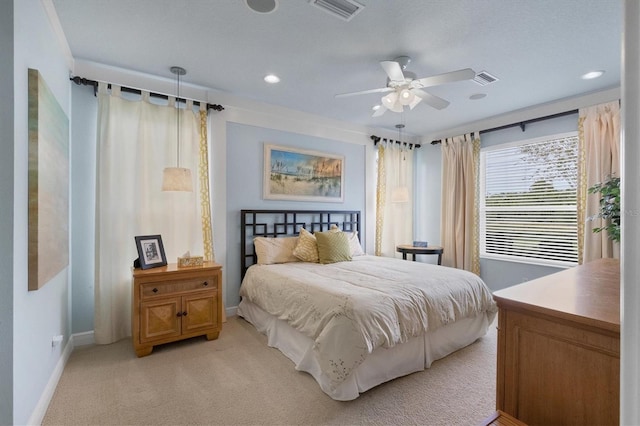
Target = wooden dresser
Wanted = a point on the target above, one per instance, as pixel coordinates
(559, 347)
(171, 303)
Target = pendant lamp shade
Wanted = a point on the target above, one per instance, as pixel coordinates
(400, 195)
(177, 178)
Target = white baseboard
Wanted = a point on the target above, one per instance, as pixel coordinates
(41, 408)
(83, 339)
(231, 312)
(78, 339)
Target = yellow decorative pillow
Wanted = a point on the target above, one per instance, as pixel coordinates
(307, 248)
(333, 247)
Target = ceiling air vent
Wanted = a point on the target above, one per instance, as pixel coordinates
(343, 9)
(483, 78)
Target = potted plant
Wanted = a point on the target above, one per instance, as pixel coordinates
(609, 206)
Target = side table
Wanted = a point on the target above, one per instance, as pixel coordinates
(404, 249)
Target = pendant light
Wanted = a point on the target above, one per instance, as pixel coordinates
(400, 194)
(177, 178)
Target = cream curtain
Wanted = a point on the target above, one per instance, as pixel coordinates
(394, 198)
(599, 139)
(459, 207)
(136, 141)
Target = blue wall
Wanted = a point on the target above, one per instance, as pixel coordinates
(6, 212)
(83, 206)
(245, 152)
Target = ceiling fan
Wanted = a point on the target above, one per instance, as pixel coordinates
(407, 90)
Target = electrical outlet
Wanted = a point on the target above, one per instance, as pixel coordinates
(57, 340)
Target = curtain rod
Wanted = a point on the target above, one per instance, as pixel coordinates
(521, 124)
(86, 82)
(377, 139)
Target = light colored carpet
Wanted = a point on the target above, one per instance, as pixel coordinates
(239, 380)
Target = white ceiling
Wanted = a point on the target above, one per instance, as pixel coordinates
(537, 48)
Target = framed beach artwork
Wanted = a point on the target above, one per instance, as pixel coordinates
(302, 175)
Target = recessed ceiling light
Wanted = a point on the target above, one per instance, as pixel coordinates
(272, 78)
(262, 6)
(592, 74)
(477, 96)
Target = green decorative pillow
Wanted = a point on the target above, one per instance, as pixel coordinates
(333, 247)
(306, 249)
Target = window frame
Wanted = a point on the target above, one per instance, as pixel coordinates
(483, 208)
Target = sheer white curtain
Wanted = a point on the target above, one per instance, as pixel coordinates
(136, 141)
(599, 135)
(459, 207)
(394, 198)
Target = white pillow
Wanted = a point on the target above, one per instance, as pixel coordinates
(354, 242)
(275, 250)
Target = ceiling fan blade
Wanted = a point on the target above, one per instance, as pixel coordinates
(448, 77)
(364, 92)
(393, 70)
(432, 100)
(379, 111)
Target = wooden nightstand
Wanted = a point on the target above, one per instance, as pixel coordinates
(171, 303)
(404, 249)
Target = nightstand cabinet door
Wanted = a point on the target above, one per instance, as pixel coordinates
(201, 312)
(159, 319)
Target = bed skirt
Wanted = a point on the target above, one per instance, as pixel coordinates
(382, 365)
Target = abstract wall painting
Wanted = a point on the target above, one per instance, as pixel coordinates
(48, 184)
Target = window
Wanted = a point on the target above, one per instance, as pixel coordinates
(528, 201)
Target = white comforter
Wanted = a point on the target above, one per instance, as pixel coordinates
(351, 308)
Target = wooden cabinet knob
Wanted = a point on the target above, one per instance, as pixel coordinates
(205, 283)
(179, 314)
(155, 290)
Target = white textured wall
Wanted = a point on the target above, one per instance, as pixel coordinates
(630, 351)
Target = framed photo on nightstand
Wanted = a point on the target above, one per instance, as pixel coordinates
(150, 251)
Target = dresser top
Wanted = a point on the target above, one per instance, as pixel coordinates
(588, 294)
(172, 268)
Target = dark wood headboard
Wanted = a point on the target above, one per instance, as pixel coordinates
(281, 223)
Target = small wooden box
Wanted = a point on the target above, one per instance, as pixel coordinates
(186, 262)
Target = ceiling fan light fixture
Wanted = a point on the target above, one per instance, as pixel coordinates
(390, 99)
(416, 100)
(406, 96)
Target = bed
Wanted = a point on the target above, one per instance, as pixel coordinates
(351, 320)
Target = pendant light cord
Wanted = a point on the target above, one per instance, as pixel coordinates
(178, 119)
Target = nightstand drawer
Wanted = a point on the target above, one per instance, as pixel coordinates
(164, 288)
